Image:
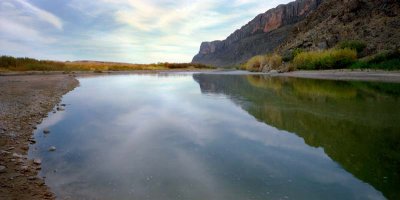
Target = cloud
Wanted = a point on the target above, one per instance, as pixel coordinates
(122, 30)
(28, 10)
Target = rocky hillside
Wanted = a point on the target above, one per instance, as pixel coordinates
(262, 34)
(309, 25)
(374, 22)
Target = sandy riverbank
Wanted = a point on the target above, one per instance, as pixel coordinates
(24, 101)
(360, 75)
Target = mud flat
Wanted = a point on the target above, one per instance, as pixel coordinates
(24, 101)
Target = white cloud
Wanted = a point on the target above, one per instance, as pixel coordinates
(125, 30)
(40, 14)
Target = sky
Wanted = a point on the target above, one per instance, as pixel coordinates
(134, 31)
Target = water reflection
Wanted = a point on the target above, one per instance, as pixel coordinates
(161, 137)
(357, 123)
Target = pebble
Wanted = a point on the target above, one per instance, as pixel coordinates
(46, 131)
(2, 169)
(15, 155)
(24, 168)
(37, 161)
(52, 148)
(4, 152)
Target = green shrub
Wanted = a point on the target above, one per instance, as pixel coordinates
(353, 44)
(326, 59)
(269, 61)
(389, 60)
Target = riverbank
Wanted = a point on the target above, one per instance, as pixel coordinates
(350, 75)
(24, 102)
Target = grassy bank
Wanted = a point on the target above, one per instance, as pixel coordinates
(8, 63)
(345, 55)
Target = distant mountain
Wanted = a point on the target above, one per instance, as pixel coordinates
(308, 24)
(262, 34)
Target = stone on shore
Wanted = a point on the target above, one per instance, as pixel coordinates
(37, 161)
(2, 169)
(52, 148)
(46, 131)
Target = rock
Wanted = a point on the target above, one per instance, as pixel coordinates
(32, 178)
(52, 148)
(60, 108)
(4, 152)
(2, 169)
(322, 45)
(273, 72)
(32, 141)
(46, 131)
(24, 168)
(15, 155)
(37, 161)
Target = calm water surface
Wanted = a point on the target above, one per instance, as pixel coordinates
(209, 136)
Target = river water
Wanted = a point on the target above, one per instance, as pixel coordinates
(215, 136)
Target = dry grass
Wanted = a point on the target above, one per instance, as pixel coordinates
(263, 63)
(326, 59)
(8, 63)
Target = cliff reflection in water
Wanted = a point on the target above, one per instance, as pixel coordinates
(357, 123)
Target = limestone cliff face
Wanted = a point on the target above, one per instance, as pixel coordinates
(260, 35)
(375, 22)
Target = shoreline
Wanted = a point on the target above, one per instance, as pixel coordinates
(25, 101)
(336, 74)
(347, 75)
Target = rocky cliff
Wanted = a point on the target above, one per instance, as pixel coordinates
(375, 22)
(261, 35)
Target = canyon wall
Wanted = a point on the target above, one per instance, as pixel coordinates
(261, 35)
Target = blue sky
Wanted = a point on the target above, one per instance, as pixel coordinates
(136, 31)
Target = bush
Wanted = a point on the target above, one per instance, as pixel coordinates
(290, 55)
(326, 59)
(255, 63)
(353, 44)
(389, 60)
(384, 56)
(263, 62)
